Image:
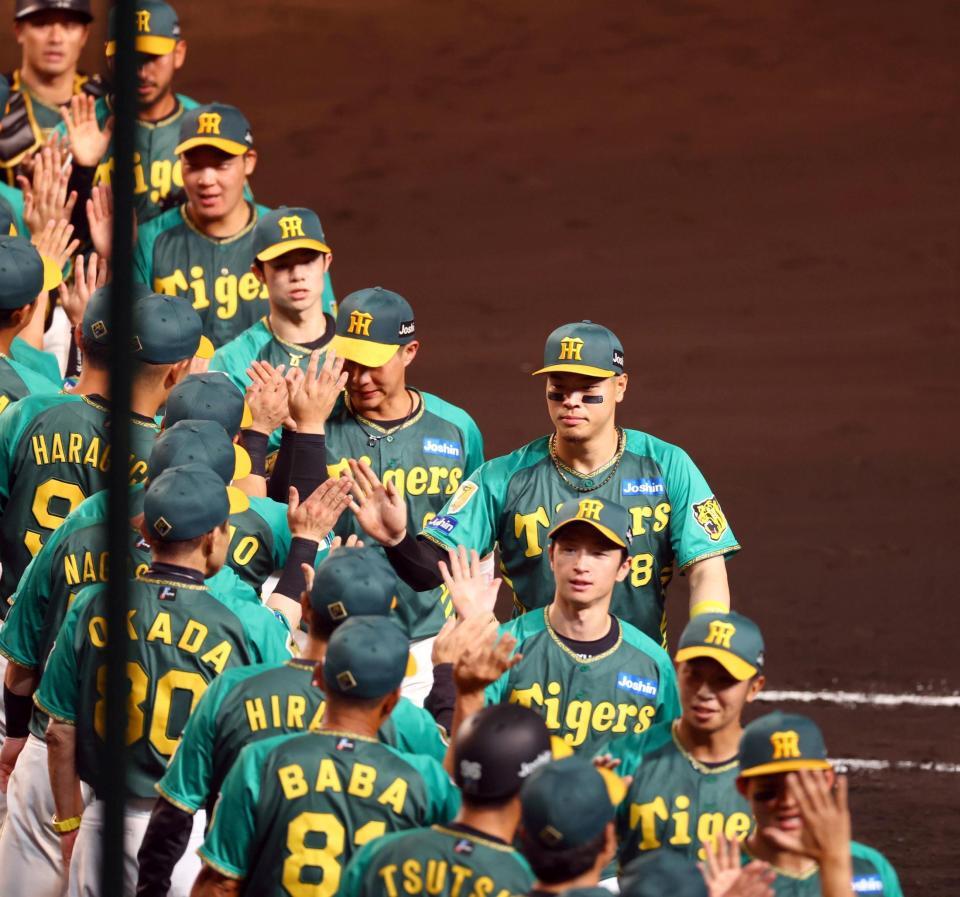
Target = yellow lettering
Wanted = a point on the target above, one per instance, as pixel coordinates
(291, 226)
(218, 656)
(436, 474)
(209, 123)
(92, 454)
(161, 629)
(681, 820)
(709, 825)
(71, 570)
(296, 707)
(589, 509)
(603, 716)
(275, 708)
(387, 873)
(570, 348)
(362, 779)
(436, 876)
(412, 880)
(417, 480)
(529, 525)
(637, 516)
(193, 635)
(719, 633)
(143, 20)
(624, 712)
(131, 632)
(456, 474)
(327, 777)
(786, 745)
(360, 322)
(292, 781)
(248, 286)
(161, 179)
(645, 716)
(199, 287)
(97, 630)
(646, 816)
(75, 443)
(578, 719)
(40, 453)
(225, 292)
(661, 517)
(395, 796)
(56, 452)
(256, 714)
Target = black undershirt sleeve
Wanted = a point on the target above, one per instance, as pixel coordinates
(301, 463)
(443, 695)
(279, 481)
(292, 582)
(415, 562)
(164, 843)
(255, 443)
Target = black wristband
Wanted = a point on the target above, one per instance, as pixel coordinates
(255, 443)
(19, 709)
(292, 582)
(416, 562)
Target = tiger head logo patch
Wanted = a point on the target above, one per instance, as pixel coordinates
(708, 514)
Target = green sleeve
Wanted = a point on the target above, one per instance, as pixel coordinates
(443, 797)
(888, 875)
(233, 361)
(275, 515)
(473, 448)
(329, 298)
(59, 692)
(417, 731)
(229, 842)
(43, 363)
(474, 523)
(14, 199)
(37, 383)
(12, 425)
(268, 634)
(353, 875)
(668, 696)
(143, 254)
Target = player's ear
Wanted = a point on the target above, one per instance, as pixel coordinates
(179, 54)
(409, 352)
(756, 686)
(327, 261)
(620, 387)
(624, 570)
(306, 611)
(176, 373)
(257, 269)
(741, 784)
(249, 161)
(551, 548)
(389, 702)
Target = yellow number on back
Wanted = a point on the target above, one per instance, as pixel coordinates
(46, 492)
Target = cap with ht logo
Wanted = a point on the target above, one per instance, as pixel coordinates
(781, 742)
(158, 28)
(371, 325)
(354, 582)
(658, 872)
(367, 657)
(24, 273)
(26, 8)
(187, 501)
(218, 125)
(583, 348)
(731, 639)
(283, 230)
(211, 395)
(606, 517)
(198, 442)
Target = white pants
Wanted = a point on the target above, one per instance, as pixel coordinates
(85, 868)
(415, 688)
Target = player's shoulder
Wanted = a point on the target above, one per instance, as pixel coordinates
(635, 749)
(165, 221)
(528, 625)
(430, 770)
(504, 467)
(642, 642)
(26, 411)
(269, 509)
(35, 382)
(233, 683)
(242, 348)
(88, 600)
(232, 592)
(454, 414)
(187, 102)
(649, 446)
(865, 857)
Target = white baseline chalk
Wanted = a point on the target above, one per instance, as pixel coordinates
(854, 764)
(860, 697)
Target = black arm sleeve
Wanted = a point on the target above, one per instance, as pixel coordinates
(291, 582)
(279, 482)
(164, 843)
(301, 462)
(415, 562)
(255, 443)
(81, 180)
(443, 695)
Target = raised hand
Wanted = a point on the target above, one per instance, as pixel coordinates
(380, 510)
(87, 142)
(826, 827)
(87, 277)
(100, 219)
(338, 544)
(313, 395)
(46, 195)
(471, 591)
(267, 397)
(317, 514)
(483, 657)
(55, 241)
(724, 875)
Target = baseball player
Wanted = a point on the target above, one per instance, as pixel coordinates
(293, 809)
(496, 750)
(592, 676)
(250, 704)
(180, 638)
(51, 35)
(800, 807)
(676, 521)
(23, 275)
(662, 872)
(683, 794)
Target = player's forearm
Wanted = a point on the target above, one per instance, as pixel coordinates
(211, 883)
(33, 332)
(836, 874)
(164, 843)
(19, 683)
(466, 705)
(301, 462)
(20, 680)
(709, 589)
(62, 766)
(416, 562)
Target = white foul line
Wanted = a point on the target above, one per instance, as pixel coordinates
(861, 697)
(906, 765)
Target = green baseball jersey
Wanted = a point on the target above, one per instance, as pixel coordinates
(252, 703)
(448, 862)
(675, 801)
(54, 452)
(259, 343)
(12, 198)
(293, 809)
(872, 874)
(588, 701)
(179, 638)
(39, 361)
(17, 381)
(175, 258)
(426, 459)
(509, 502)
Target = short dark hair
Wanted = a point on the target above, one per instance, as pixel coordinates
(97, 355)
(6, 317)
(487, 803)
(556, 866)
(321, 626)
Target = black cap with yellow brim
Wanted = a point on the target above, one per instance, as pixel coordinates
(158, 28)
(731, 639)
(781, 742)
(607, 517)
(24, 273)
(372, 324)
(285, 229)
(583, 348)
(218, 125)
(188, 501)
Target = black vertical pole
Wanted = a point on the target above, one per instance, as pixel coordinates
(114, 768)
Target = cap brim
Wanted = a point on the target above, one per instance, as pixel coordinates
(205, 349)
(362, 351)
(616, 786)
(411, 666)
(52, 275)
(152, 44)
(599, 527)
(779, 766)
(278, 249)
(247, 419)
(584, 369)
(238, 500)
(228, 146)
(242, 465)
(735, 666)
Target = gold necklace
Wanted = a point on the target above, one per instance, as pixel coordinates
(588, 484)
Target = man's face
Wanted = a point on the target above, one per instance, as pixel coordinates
(155, 74)
(295, 279)
(370, 388)
(586, 565)
(214, 180)
(51, 40)
(580, 406)
(711, 698)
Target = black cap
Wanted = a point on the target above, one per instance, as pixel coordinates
(26, 8)
(211, 395)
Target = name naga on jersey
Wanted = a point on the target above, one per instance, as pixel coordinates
(165, 176)
(228, 289)
(82, 449)
(91, 567)
(361, 780)
(437, 876)
(580, 717)
(675, 824)
(417, 480)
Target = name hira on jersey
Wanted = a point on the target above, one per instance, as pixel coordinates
(435, 479)
(80, 448)
(282, 712)
(229, 289)
(437, 876)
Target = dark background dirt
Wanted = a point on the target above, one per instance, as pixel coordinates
(761, 199)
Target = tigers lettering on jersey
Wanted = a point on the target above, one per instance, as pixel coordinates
(361, 781)
(414, 480)
(165, 177)
(229, 289)
(682, 829)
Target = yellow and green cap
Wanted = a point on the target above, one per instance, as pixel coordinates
(158, 28)
(731, 639)
(606, 517)
(187, 501)
(211, 395)
(285, 229)
(583, 348)
(24, 273)
(218, 125)
(354, 582)
(781, 742)
(367, 657)
(198, 442)
(371, 325)
(659, 872)
(568, 802)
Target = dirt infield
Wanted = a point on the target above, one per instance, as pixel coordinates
(762, 200)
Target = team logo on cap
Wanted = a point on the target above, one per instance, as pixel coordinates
(291, 226)
(98, 329)
(209, 123)
(786, 745)
(143, 21)
(360, 322)
(720, 633)
(589, 509)
(162, 526)
(470, 769)
(708, 514)
(346, 680)
(550, 835)
(337, 610)
(570, 348)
